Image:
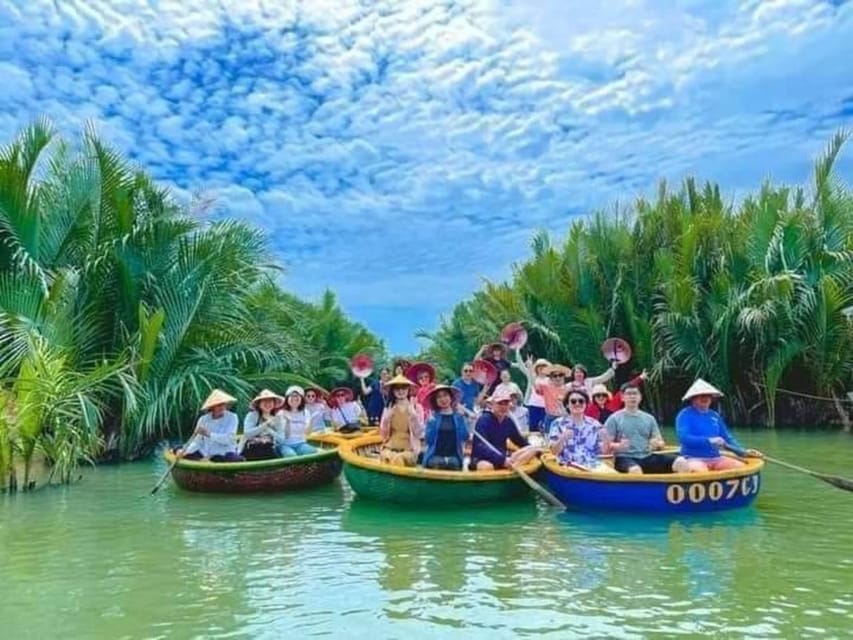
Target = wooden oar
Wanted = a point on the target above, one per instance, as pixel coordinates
(171, 466)
(530, 482)
(835, 481)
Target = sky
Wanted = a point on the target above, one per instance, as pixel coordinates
(399, 152)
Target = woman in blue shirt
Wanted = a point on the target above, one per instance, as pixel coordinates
(703, 433)
(446, 431)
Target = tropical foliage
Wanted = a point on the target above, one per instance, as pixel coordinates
(756, 297)
(120, 309)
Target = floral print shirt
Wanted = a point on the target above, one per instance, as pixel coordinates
(583, 446)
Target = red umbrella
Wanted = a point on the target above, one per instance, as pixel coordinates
(485, 372)
(616, 350)
(361, 365)
(514, 335)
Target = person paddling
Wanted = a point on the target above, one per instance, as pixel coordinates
(496, 426)
(215, 435)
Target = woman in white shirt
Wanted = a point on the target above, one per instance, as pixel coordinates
(298, 423)
(535, 403)
(215, 435)
(344, 412)
(263, 427)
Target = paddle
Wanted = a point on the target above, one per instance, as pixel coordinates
(835, 481)
(530, 482)
(171, 466)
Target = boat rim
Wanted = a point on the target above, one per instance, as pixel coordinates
(348, 454)
(251, 465)
(550, 464)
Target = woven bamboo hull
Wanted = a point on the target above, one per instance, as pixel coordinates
(283, 474)
(418, 487)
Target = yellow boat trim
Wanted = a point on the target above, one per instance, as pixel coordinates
(349, 454)
(753, 466)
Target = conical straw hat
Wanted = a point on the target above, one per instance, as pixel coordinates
(400, 381)
(266, 394)
(217, 396)
(701, 388)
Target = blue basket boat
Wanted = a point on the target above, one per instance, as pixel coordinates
(662, 493)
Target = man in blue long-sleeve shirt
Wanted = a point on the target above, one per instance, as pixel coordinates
(496, 426)
(703, 433)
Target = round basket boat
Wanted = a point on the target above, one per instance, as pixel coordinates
(663, 493)
(279, 474)
(418, 487)
(334, 438)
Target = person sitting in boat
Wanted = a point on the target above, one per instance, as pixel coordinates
(215, 435)
(262, 427)
(471, 391)
(553, 393)
(298, 423)
(344, 412)
(535, 403)
(519, 413)
(703, 433)
(576, 439)
(372, 398)
(315, 402)
(496, 354)
(635, 436)
(615, 403)
(600, 407)
(423, 375)
(506, 385)
(580, 379)
(496, 427)
(400, 425)
(446, 431)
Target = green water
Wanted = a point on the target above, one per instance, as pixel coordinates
(105, 560)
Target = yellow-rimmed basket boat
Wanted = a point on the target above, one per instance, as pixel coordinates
(662, 493)
(418, 487)
(334, 438)
(257, 476)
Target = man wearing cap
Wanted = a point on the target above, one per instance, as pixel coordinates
(496, 427)
(703, 433)
(634, 436)
(215, 435)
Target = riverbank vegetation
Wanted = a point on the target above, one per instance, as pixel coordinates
(754, 295)
(120, 309)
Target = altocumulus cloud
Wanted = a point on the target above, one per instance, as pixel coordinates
(398, 151)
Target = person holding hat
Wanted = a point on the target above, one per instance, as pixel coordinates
(553, 391)
(446, 431)
(635, 437)
(215, 435)
(533, 400)
(262, 427)
(298, 423)
(703, 433)
(400, 425)
(344, 412)
(317, 407)
(496, 354)
(577, 439)
(496, 427)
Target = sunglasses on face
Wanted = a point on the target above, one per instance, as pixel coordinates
(577, 401)
(467, 371)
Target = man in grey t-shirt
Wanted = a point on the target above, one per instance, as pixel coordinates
(635, 435)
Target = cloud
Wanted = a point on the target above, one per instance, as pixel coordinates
(398, 153)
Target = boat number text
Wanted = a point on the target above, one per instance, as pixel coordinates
(717, 490)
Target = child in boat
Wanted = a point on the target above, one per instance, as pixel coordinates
(496, 427)
(263, 427)
(400, 426)
(215, 435)
(535, 403)
(315, 402)
(344, 413)
(577, 439)
(703, 433)
(297, 424)
(446, 431)
(553, 392)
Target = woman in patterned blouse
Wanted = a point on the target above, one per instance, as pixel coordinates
(577, 439)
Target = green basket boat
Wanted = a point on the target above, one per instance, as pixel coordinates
(415, 486)
(279, 474)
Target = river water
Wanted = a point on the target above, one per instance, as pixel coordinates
(103, 559)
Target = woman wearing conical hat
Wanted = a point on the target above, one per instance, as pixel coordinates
(400, 425)
(262, 427)
(703, 433)
(215, 435)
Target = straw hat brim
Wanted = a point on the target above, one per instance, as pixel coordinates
(399, 381)
(701, 388)
(266, 394)
(217, 397)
